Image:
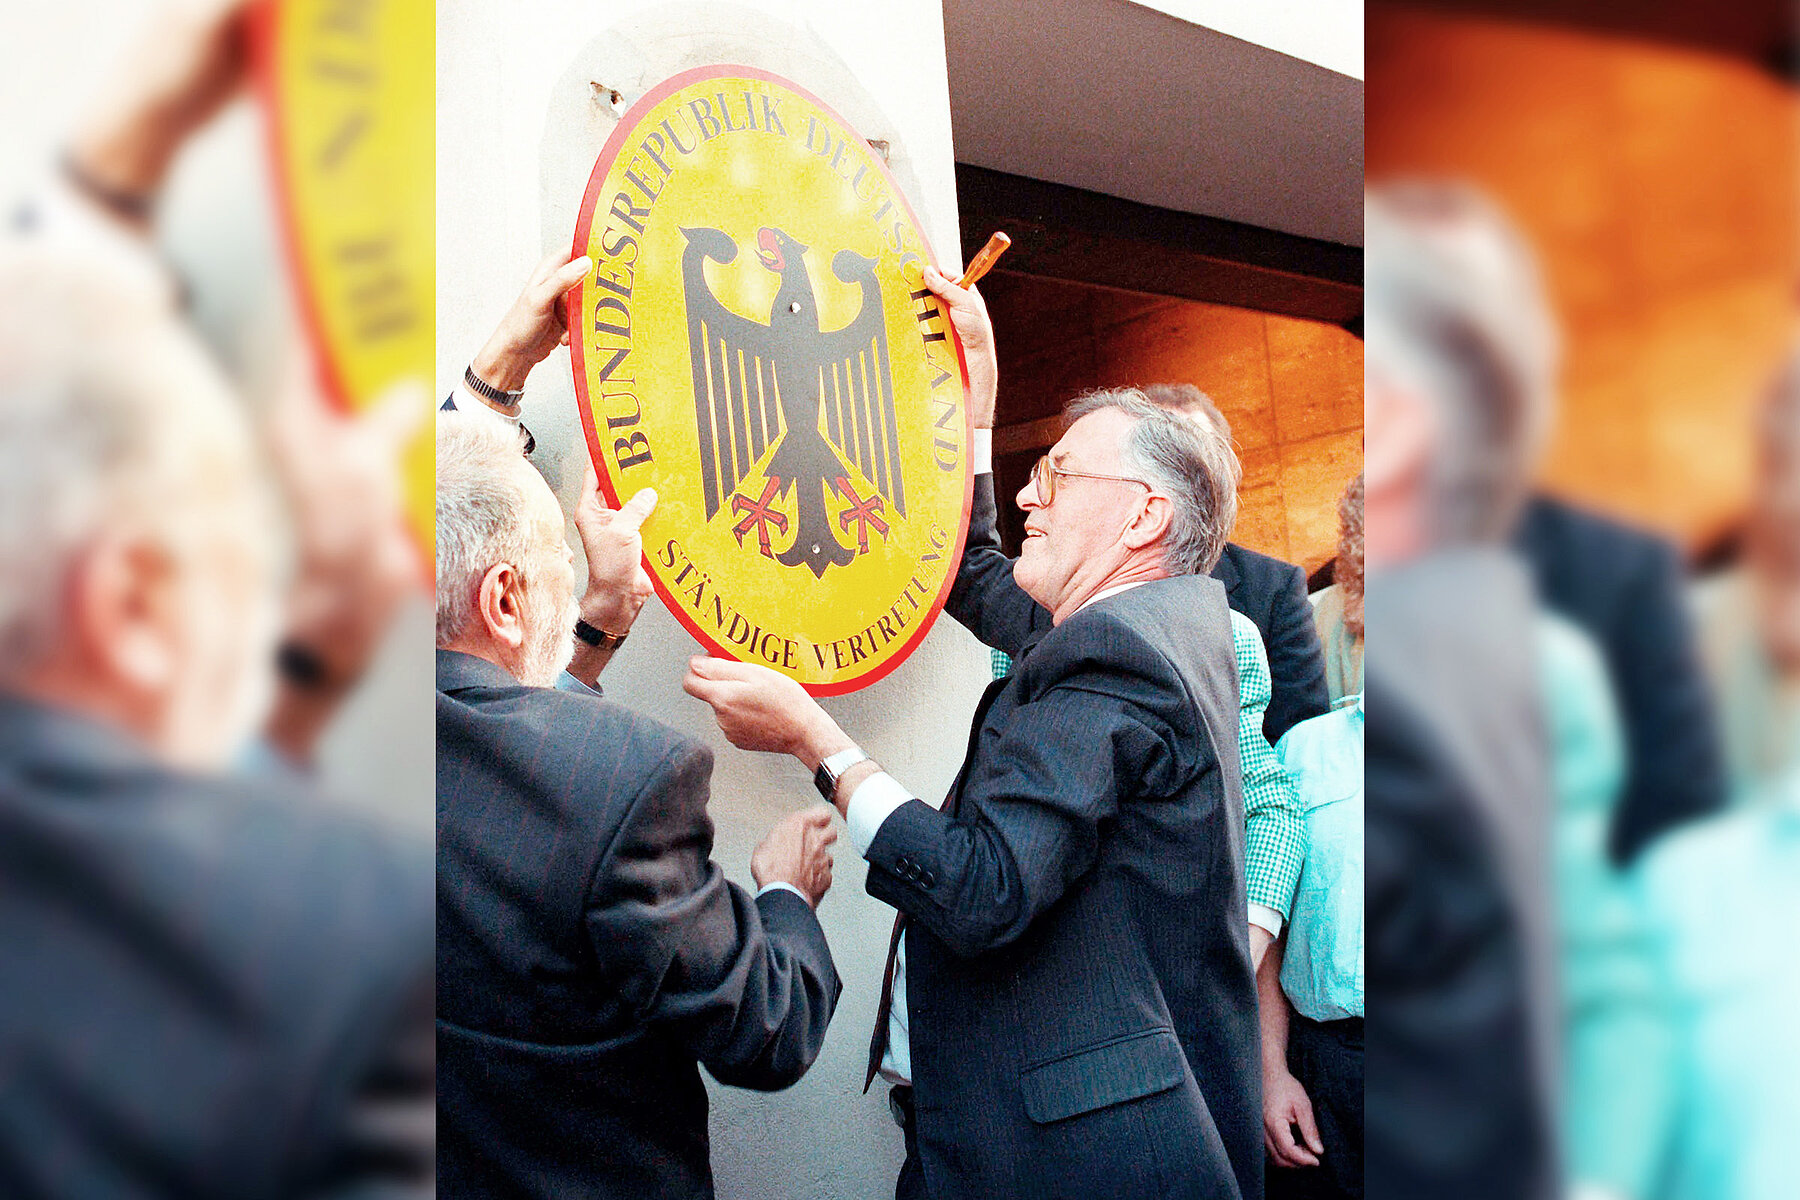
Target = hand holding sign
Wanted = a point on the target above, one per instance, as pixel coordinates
(975, 330)
(536, 324)
(612, 539)
(761, 709)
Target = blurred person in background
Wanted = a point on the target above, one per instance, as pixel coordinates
(1711, 1093)
(1461, 1064)
(1489, 330)
(1270, 592)
(1627, 590)
(1750, 618)
(1310, 988)
(1274, 821)
(213, 985)
(1338, 609)
(591, 955)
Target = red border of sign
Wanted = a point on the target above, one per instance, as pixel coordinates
(583, 230)
(264, 22)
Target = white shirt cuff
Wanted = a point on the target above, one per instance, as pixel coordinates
(873, 801)
(66, 215)
(568, 683)
(1264, 917)
(781, 885)
(981, 452)
(468, 401)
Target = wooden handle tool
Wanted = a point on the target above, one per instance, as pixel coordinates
(984, 261)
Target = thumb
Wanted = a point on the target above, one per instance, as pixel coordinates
(1309, 1129)
(635, 511)
(556, 282)
(570, 274)
(398, 413)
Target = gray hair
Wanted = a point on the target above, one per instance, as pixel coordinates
(88, 434)
(1188, 399)
(483, 513)
(1188, 461)
(1457, 312)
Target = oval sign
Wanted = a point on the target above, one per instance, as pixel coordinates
(754, 343)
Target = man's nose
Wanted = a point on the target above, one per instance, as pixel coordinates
(1027, 499)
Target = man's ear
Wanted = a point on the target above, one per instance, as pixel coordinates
(1152, 521)
(122, 600)
(501, 602)
(1397, 445)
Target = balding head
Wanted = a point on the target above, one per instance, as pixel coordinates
(505, 573)
(1462, 354)
(135, 580)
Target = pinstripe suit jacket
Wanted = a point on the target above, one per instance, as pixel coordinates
(1081, 1006)
(211, 988)
(590, 952)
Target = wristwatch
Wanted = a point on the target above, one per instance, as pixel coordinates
(599, 638)
(833, 768)
(506, 402)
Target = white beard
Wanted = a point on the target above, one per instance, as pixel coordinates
(551, 643)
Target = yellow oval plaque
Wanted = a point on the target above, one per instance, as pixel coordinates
(756, 344)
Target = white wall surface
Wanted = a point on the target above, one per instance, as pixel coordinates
(518, 133)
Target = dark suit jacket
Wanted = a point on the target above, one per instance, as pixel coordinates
(1463, 1004)
(590, 952)
(1272, 594)
(1453, 1107)
(209, 987)
(1625, 589)
(1082, 1014)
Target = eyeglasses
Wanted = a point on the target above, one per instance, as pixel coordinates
(1044, 473)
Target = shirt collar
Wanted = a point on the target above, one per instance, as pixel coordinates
(1111, 591)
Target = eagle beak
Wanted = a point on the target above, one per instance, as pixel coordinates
(769, 250)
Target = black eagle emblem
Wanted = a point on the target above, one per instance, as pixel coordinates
(824, 399)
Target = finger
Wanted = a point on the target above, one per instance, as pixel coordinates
(724, 669)
(635, 511)
(817, 817)
(551, 263)
(590, 483)
(1309, 1128)
(397, 415)
(699, 687)
(564, 278)
(1281, 1142)
(704, 666)
(1298, 1155)
(945, 288)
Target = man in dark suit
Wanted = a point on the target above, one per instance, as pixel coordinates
(210, 986)
(1625, 589)
(1270, 592)
(590, 953)
(1464, 1069)
(1074, 1014)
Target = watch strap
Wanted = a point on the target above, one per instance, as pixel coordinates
(506, 401)
(832, 769)
(599, 638)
